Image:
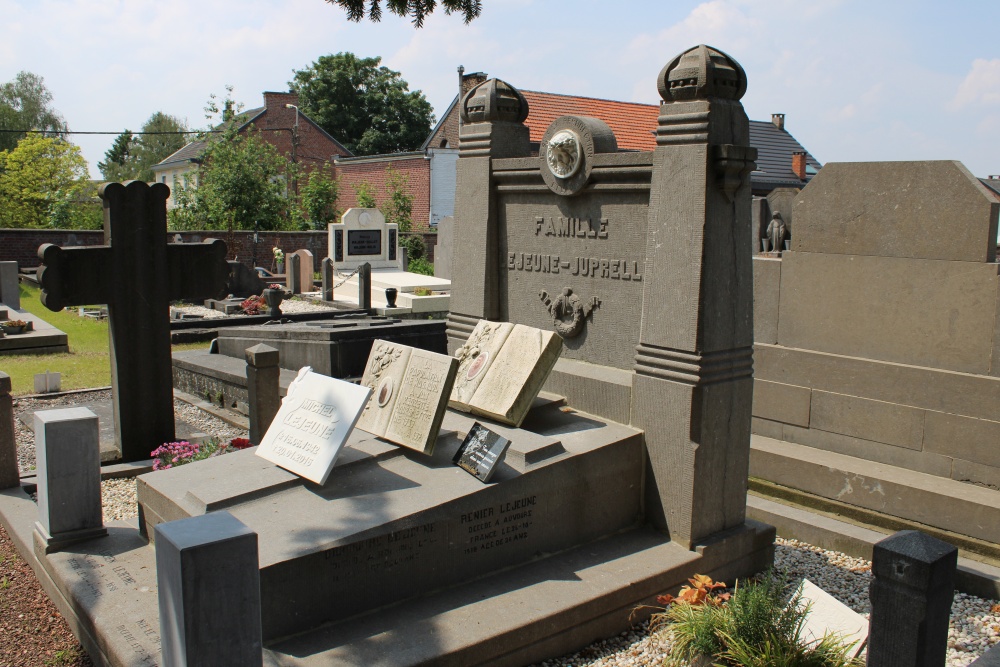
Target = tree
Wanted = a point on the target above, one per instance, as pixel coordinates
(241, 181)
(117, 165)
(26, 104)
(364, 195)
(43, 183)
(418, 9)
(132, 157)
(319, 198)
(367, 107)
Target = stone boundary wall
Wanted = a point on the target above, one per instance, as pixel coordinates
(21, 245)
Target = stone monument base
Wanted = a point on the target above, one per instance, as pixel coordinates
(405, 559)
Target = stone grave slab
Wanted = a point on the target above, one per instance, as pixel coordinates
(312, 424)
(410, 389)
(827, 614)
(502, 367)
(42, 338)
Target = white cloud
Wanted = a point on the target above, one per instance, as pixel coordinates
(981, 85)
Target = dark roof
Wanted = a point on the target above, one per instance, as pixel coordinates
(635, 124)
(774, 156)
(993, 184)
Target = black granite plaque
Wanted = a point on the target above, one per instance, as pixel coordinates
(364, 242)
(392, 245)
(338, 245)
(481, 452)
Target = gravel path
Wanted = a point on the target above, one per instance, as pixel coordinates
(975, 623)
(293, 305)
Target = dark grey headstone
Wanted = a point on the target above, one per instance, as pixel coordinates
(911, 592)
(481, 452)
(209, 592)
(328, 274)
(293, 274)
(9, 474)
(10, 294)
(243, 281)
(365, 286)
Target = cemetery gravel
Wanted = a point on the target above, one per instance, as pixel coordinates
(32, 632)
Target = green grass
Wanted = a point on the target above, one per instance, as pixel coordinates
(86, 365)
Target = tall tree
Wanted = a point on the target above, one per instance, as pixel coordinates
(43, 183)
(133, 156)
(367, 107)
(417, 9)
(26, 104)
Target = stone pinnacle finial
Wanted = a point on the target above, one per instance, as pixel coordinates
(494, 100)
(699, 73)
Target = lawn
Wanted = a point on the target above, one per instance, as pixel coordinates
(86, 365)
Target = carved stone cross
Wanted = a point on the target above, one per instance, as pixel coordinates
(137, 274)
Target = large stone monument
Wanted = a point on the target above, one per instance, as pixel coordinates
(625, 478)
(877, 381)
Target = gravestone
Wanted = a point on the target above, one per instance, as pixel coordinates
(137, 274)
(502, 367)
(243, 281)
(877, 342)
(10, 291)
(363, 236)
(328, 273)
(312, 424)
(305, 270)
(444, 247)
(410, 390)
(481, 452)
(294, 274)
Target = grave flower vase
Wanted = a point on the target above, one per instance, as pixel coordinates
(390, 296)
(273, 298)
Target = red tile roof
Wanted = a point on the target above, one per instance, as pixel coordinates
(633, 124)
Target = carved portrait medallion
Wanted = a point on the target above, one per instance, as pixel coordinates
(385, 391)
(564, 153)
(477, 365)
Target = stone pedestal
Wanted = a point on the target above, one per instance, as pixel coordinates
(67, 450)
(209, 592)
(9, 474)
(262, 388)
(328, 274)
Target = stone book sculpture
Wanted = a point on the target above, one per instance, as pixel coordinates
(312, 424)
(410, 389)
(502, 367)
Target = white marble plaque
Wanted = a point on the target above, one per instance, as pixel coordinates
(312, 425)
(828, 614)
(410, 389)
(502, 370)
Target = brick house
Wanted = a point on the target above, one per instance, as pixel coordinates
(279, 122)
(781, 160)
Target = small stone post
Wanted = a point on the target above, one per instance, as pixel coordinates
(262, 386)
(9, 475)
(294, 274)
(208, 575)
(68, 465)
(327, 279)
(911, 592)
(365, 286)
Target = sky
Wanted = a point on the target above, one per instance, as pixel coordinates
(858, 80)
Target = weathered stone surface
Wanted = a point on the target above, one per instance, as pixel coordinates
(766, 291)
(263, 392)
(962, 437)
(68, 469)
(423, 392)
(781, 402)
(312, 425)
(921, 312)
(880, 421)
(502, 369)
(924, 210)
(305, 269)
(209, 592)
(294, 274)
(444, 248)
(9, 474)
(10, 291)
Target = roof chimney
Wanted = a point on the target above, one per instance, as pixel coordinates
(779, 120)
(799, 165)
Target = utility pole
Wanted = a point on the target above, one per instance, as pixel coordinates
(295, 145)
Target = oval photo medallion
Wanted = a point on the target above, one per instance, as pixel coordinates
(365, 219)
(477, 366)
(385, 391)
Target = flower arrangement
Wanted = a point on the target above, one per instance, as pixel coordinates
(15, 323)
(279, 254)
(172, 454)
(253, 305)
(275, 286)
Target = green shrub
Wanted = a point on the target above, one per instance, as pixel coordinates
(421, 266)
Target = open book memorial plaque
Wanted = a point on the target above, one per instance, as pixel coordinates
(502, 367)
(316, 416)
(410, 389)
